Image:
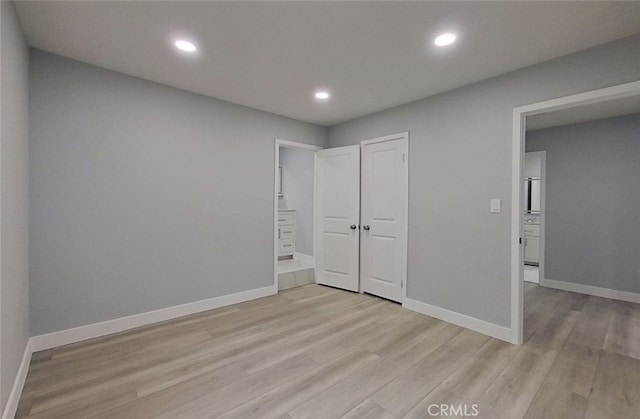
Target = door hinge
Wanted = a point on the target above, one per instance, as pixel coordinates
(520, 240)
(402, 283)
(403, 156)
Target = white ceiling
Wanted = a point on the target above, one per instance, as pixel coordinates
(369, 55)
(585, 113)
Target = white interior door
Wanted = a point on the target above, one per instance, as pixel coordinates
(383, 237)
(338, 217)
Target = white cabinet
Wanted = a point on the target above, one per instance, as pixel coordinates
(286, 232)
(532, 243)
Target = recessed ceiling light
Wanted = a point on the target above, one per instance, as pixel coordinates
(185, 46)
(445, 39)
(322, 95)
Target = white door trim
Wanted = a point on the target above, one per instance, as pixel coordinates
(518, 135)
(289, 144)
(399, 136)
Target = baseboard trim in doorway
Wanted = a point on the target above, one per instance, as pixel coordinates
(11, 407)
(77, 334)
(631, 297)
(459, 319)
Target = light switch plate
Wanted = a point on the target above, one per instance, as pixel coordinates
(496, 206)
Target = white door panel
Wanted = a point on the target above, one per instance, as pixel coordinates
(338, 210)
(384, 220)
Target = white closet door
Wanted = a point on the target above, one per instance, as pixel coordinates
(338, 217)
(384, 218)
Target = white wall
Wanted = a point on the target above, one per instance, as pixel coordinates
(298, 174)
(144, 196)
(14, 235)
(460, 158)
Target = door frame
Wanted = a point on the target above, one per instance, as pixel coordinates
(518, 137)
(399, 136)
(278, 143)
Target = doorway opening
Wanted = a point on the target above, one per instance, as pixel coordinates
(534, 189)
(294, 201)
(526, 195)
(341, 216)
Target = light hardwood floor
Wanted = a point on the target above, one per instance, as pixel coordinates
(323, 353)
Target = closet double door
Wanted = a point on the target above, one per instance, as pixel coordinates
(361, 216)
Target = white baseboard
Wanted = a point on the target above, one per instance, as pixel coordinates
(18, 384)
(631, 297)
(77, 334)
(481, 326)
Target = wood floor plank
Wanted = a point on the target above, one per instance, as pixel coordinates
(402, 394)
(228, 398)
(217, 357)
(71, 385)
(623, 332)
(86, 370)
(533, 293)
(172, 397)
(92, 405)
(342, 327)
(384, 326)
(440, 398)
(41, 357)
(478, 372)
(60, 389)
(540, 310)
(593, 322)
(256, 315)
(24, 407)
(513, 391)
(308, 293)
(319, 352)
(129, 340)
(552, 334)
(302, 388)
(616, 388)
(344, 396)
(573, 370)
(554, 402)
(368, 410)
(256, 355)
(575, 301)
(402, 333)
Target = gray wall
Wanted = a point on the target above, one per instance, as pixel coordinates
(460, 158)
(298, 193)
(532, 165)
(593, 202)
(144, 196)
(14, 171)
